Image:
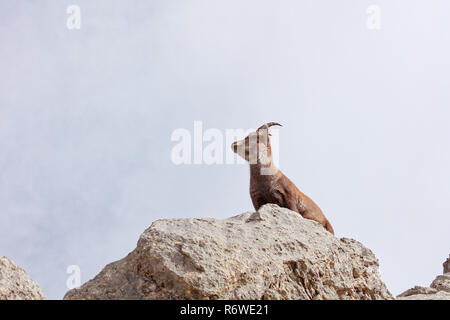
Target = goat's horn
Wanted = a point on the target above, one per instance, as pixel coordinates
(268, 125)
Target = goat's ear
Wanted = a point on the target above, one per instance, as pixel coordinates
(264, 135)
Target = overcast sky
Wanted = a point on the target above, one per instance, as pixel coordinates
(86, 118)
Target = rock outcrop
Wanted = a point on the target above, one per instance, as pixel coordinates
(446, 265)
(270, 254)
(15, 284)
(438, 290)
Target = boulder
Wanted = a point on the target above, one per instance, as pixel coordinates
(438, 290)
(15, 284)
(270, 254)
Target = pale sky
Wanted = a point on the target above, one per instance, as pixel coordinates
(86, 118)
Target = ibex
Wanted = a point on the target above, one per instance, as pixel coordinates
(268, 184)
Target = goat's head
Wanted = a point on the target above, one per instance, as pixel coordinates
(255, 148)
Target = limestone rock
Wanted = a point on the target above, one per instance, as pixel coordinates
(270, 254)
(438, 290)
(15, 284)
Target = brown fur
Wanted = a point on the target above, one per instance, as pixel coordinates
(274, 187)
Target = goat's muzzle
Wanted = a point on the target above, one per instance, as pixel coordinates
(234, 146)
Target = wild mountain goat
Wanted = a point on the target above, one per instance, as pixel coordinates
(268, 184)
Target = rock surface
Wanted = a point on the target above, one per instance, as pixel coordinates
(270, 254)
(15, 284)
(438, 290)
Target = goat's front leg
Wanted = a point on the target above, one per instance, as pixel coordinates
(283, 199)
(292, 202)
(257, 201)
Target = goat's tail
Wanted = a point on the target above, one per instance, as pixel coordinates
(329, 227)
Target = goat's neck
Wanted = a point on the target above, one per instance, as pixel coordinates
(263, 172)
